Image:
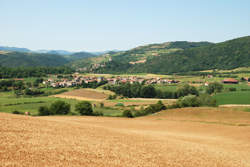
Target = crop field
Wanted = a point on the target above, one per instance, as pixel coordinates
(9, 103)
(238, 97)
(85, 94)
(181, 137)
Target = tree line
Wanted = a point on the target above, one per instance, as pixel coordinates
(148, 91)
(26, 72)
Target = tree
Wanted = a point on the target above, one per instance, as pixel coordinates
(43, 110)
(186, 89)
(148, 91)
(84, 108)
(214, 87)
(59, 108)
(127, 113)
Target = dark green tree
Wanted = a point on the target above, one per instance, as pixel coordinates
(84, 108)
(59, 108)
(214, 87)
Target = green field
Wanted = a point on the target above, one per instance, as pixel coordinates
(9, 103)
(238, 97)
(170, 88)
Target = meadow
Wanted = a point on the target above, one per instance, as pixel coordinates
(238, 97)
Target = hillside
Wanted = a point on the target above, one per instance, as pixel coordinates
(79, 55)
(121, 61)
(14, 49)
(176, 57)
(26, 59)
(181, 137)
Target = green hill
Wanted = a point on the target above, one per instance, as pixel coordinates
(177, 57)
(121, 61)
(26, 59)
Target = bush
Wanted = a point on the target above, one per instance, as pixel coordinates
(232, 89)
(188, 101)
(185, 90)
(59, 108)
(127, 113)
(97, 113)
(141, 113)
(119, 105)
(101, 105)
(153, 108)
(206, 100)
(16, 112)
(214, 87)
(84, 108)
(112, 97)
(194, 101)
(43, 111)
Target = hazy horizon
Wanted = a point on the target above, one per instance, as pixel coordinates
(96, 26)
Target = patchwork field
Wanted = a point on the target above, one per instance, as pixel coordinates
(188, 137)
(85, 94)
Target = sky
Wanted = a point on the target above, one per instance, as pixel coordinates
(99, 25)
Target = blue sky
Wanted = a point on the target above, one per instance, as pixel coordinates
(98, 25)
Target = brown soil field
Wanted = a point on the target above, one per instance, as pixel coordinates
(98, 95)
(190, 137)
(84, 94)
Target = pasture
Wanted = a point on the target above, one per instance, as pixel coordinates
(238, 97)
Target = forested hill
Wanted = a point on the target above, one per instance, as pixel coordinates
(26, 59)
(123, 60)
(226, 55)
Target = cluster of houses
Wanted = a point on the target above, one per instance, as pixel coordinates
(79, 80)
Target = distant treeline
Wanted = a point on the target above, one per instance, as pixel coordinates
(26, 72)
(148, 91)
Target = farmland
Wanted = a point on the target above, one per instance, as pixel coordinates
(180, 137)
(239, 97)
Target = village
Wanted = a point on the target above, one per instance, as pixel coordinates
(77, 80)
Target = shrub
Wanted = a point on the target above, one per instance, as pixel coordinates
(43, 111)
(16, 112)
(84, 108)
(112, 97)
(206, 100)
(232, 89)
(214, 87)
(184, 90)
(97, 113)
(59, 108)
(188, 101)
(127, 113)
(153, 108)
(141, 113)
(101, 105)
(119, 105)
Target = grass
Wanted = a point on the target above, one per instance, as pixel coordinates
(171, 88)
(9, 103)
(109, 112)
(238, 97)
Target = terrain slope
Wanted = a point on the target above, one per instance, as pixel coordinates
(187, 137)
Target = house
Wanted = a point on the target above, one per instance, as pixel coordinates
(230, 81)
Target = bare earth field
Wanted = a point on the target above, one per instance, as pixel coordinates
(84, 94)
(185, 137)
(98, 95)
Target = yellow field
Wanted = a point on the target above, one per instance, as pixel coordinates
(99, 95)
(187, 137)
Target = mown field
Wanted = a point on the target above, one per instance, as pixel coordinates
(181, 137)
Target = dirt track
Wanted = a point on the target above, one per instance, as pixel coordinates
(159, 140)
